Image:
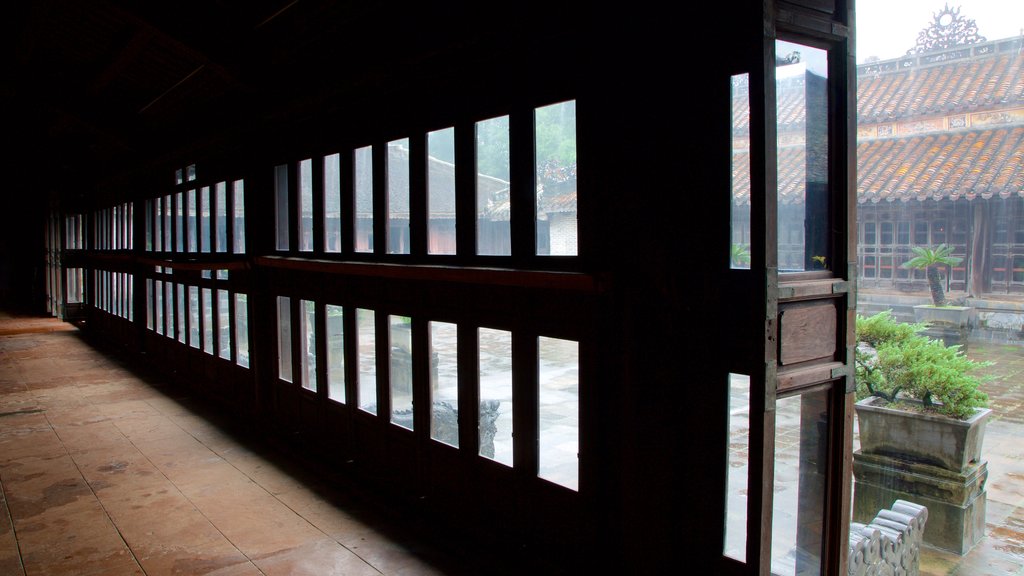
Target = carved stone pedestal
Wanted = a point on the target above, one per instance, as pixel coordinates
(955, 500)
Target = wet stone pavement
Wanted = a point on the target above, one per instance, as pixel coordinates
(103, 473)
(1001, 551)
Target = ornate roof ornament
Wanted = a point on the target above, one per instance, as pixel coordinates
(948, 29)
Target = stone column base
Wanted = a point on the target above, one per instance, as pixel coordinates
(956, 502)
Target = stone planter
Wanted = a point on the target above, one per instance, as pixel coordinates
(930, 439)
(931, 460)
(951, 324)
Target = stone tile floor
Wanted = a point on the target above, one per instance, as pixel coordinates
(1001, 551)
(102, 473)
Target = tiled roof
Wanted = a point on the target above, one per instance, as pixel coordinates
(969, 164)
(989, 77)
(957, 86)
(959, 164)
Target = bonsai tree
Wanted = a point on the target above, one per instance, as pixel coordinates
(895, 362)
(930, 259)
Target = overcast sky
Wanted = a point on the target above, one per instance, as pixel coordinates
(888, 28)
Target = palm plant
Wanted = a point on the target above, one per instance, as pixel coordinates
(930, 259)
(740, 256)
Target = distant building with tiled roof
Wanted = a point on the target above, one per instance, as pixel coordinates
(940, 159)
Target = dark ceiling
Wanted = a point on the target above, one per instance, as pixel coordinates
(91, 86)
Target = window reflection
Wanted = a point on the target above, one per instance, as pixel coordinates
(558, 411)
(495, 431)
(802, 137)
(336, 353)
(401, 370)
(444, 383)
(367, 342)
(801, 464)
(441, 191)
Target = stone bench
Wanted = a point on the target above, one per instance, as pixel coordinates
(889, 545)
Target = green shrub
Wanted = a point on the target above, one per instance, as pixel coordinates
(898, 363)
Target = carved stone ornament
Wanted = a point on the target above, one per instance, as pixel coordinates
(948, 29)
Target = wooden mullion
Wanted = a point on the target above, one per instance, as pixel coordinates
(469, 389)
(294, 217)
(418, 229)
(522, 172)
(346, 168)
(382, 342)
(380, 199)
(465, 190)
(524, 404)
(317, 212)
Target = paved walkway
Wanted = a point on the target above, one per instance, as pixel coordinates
(1001, 552)
(103, 473)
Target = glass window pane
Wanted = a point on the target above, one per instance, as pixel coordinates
(555, 158)
(190, 172)
(158, 306)
(444, 383)
(181, 313)
(193, 316)
(284, 338)
(178, 179)
(336, 353)
(192, 229)
(495, 433)
(332, 203)
(223, 325)
(398, 196)
(737, 471)
(208, 321)
(366, 342)
(558, 411)
(158, 225)
(167, 223)
(179, 233)
(242, 330)
(281, 205)
(739, 252)
(306, 205)
(204, 219)
(441, 191)
(221, 221)
(801, 465)
(148, 214)
(493, 203)
(802, 116)
(363, 178)
(169, 309)
(238, 189)
(307, 343)
(401, 370)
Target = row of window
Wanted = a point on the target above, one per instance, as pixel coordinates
(214, 320)
(556, 362)
(197, 220)
(346, 186)
(112, 228)
(74, 233)
(112, 293)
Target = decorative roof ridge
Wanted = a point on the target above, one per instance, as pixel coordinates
(1011, 45)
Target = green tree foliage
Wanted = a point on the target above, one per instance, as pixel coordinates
(894, 361)
(740, 256)
(930, 260)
